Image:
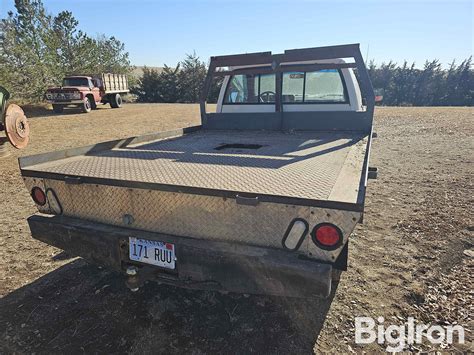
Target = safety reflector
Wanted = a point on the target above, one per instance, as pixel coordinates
(295, 234)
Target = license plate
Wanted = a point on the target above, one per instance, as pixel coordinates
(152, 252)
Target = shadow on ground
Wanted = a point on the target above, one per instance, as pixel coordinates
(36, 111)
(80, 308)
(43, 110)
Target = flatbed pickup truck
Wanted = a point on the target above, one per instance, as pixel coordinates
(260, 198)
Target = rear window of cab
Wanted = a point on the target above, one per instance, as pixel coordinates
(251, 89)
(322, 86)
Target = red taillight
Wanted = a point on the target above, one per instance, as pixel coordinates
(38, 196)
(327, 236)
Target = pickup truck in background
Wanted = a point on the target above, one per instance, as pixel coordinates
(262, 197)
(87, 92)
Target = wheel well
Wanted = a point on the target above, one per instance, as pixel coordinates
(90, 96)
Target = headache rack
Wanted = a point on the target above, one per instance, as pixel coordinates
(268, 63)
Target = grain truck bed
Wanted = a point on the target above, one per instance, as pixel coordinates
(327, 166)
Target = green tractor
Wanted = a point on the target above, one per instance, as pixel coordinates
(14, 122)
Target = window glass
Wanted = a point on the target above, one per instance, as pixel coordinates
(292, 87)
(97, 82)
(76, 82)
(267, 88)
(254, 89)
(324, 86)
(242, 89)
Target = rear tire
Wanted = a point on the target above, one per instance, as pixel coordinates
(87, 106)
(58, 108)
(115, 100)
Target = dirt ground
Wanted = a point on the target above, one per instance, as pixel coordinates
(409, 258)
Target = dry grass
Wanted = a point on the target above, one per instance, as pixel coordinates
(405, 260)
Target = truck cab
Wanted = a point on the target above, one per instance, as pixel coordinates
(75, 90)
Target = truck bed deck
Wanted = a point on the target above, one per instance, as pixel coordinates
(313, 165)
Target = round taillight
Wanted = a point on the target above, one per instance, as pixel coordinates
(327, 236)
(38, 196)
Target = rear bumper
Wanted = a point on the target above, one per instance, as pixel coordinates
(200, 265)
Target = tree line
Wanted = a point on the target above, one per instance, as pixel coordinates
(432, 85)
(38, 49)
(182, 83)
(402, 85)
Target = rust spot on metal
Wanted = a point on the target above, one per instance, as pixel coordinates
(17, 127)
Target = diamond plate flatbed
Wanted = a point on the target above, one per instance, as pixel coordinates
(326, 166)
(241, 196)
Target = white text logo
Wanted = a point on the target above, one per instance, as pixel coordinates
(397, 336)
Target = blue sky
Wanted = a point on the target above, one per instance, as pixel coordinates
(158, 32)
